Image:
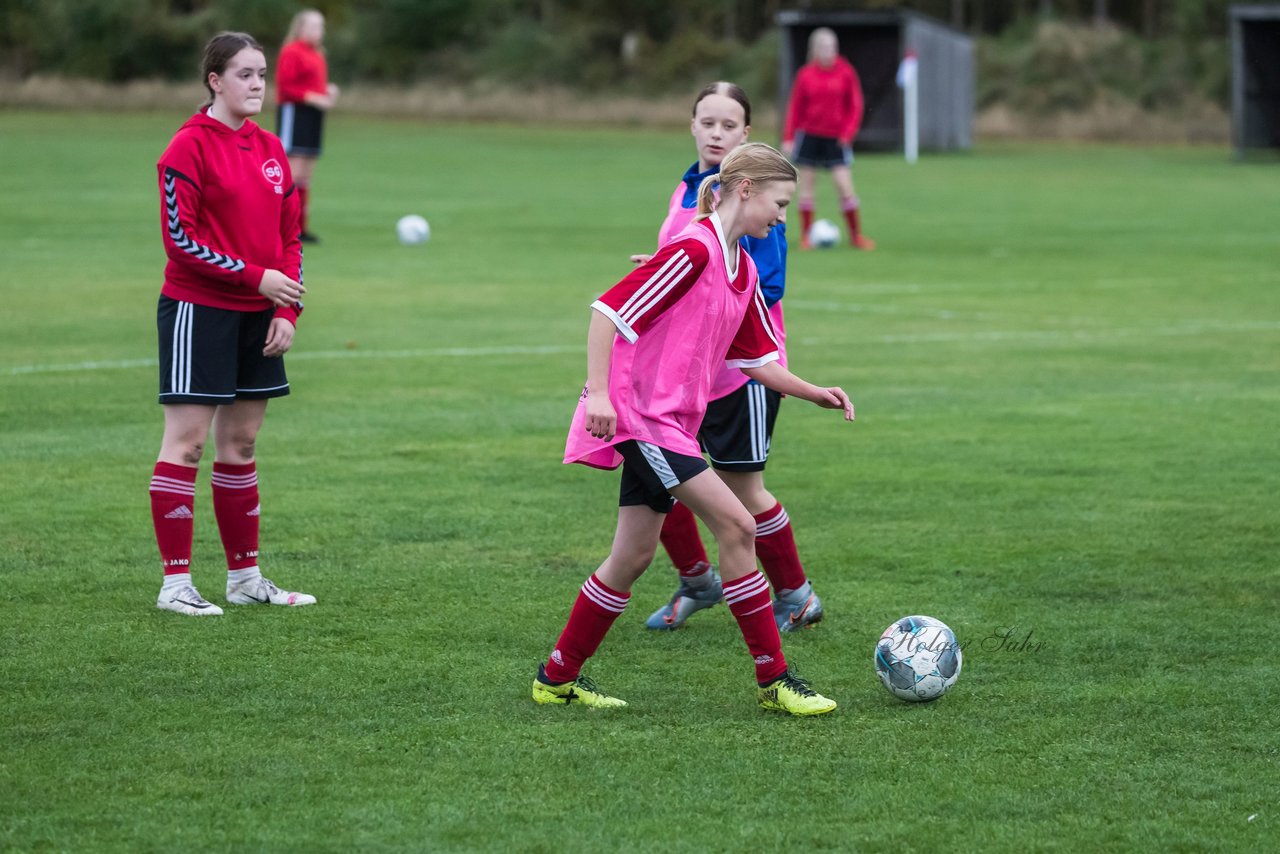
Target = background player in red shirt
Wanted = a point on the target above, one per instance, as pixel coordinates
(823, 117)
(303, 95)
(227, 312)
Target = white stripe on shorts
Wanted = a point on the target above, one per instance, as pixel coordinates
(180, 367)
(759, 421)
(286, 126)
(657, 462)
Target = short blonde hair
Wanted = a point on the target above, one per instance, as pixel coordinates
(817, 34)
(295, 25)
(752, 161)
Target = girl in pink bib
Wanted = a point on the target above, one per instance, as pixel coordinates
(657, 341)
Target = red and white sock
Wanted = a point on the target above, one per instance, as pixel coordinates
(748, 599)
(235, 504)
(850, 208)
(592, 616)
(173, 502)
(683, 542)
(776, 548)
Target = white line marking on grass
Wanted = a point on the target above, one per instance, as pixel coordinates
(1083, 334)
(308, 355)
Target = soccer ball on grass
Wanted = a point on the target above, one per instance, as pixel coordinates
(918, 659)
(824, 234)
(412, 229)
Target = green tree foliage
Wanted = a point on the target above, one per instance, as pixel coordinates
(1035, 54)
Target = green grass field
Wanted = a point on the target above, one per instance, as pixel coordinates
(1066, 363)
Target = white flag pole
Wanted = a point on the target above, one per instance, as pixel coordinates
(909, 81)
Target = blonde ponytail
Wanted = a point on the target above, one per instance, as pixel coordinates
(754, 162)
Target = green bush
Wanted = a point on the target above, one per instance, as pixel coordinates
(1054, 67)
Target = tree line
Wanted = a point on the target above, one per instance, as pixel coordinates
(642, 45)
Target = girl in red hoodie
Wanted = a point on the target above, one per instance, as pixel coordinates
(303, 96)
(230, 301)
(823, 117)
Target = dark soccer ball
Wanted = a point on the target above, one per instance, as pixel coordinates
(918, 659)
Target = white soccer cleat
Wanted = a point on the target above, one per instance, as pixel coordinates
(187, 600)
(261, 591)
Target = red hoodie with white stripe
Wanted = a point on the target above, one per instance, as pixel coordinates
(228, 213)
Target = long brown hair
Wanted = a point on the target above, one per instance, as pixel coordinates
(218, 53)
(752, 161)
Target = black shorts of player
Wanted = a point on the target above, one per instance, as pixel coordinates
(214, 356)
(738, 428)
(824, 151)
(648, 472)
(301, 129)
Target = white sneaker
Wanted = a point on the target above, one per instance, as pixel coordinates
(187, 600)
(260, 591)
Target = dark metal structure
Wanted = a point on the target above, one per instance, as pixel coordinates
(1255, 77)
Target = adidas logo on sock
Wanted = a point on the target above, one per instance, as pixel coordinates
(182, 512)
(256, 511)
(557, 657)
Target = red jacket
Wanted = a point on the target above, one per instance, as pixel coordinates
(299, 70)
(825, 102)
(228, 213)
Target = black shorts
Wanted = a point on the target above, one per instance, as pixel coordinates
(300, 127)
(824, 151)
(738, 428)
(648, 472)
(214, 356)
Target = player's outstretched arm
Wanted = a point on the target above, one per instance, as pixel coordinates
(779, 379)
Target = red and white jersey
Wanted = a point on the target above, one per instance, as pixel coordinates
(683, 315)
(228, 213)
(300, 69)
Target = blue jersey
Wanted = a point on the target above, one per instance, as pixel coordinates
(768, 253)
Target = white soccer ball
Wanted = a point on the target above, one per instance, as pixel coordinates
(918, 659)
(824, 234)
(412, 229)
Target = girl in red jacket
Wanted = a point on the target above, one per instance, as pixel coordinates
(303, 95)
(228, 308)
(823, 117)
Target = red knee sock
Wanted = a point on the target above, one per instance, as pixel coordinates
(850, 208)
(748, 599)
(173, 502)
(682, 541)
(806, 218)
(592, 616)
(235, 504)
(776, 548)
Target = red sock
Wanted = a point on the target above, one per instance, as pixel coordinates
(850, 208)
(173, 501)
(806, 218)
(748, 599)
(776, 548)
(592, 616)
(235, 504)
(682, 541)
(303, 193)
